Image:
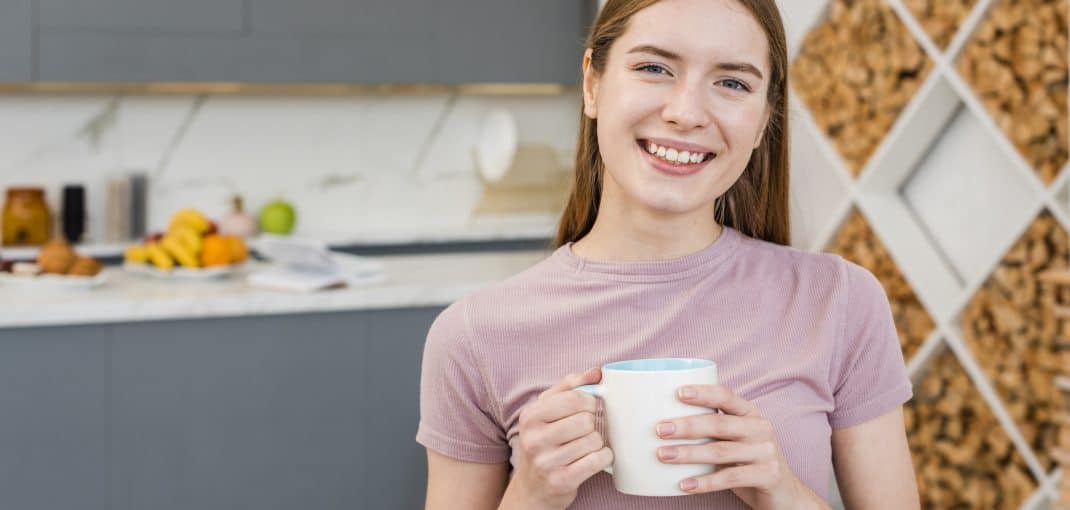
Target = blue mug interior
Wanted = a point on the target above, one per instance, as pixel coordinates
(658, 364)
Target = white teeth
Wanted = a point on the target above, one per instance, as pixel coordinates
(675, 156)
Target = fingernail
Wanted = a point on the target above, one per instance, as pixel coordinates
(687, 392)
(688, 484)
(666, 428)
(667, 452)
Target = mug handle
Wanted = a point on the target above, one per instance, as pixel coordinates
(597, 390)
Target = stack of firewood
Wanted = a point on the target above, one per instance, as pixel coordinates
(1011, 329)
(940, 18)
(1017, 64)
(962, 456)
(857, 242)
(855, 72)
(1061, 450)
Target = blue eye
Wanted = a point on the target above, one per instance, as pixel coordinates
(742, 86)
(652, 68)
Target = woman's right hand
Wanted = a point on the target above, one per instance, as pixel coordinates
(559, 446)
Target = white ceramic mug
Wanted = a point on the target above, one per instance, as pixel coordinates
(637, 394)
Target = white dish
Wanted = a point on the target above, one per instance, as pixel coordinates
(55, 281)
(183, 273)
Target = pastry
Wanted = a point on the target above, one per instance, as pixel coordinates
(85, 266)
(56, 256)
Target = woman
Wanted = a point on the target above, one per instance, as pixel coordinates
(674, 244)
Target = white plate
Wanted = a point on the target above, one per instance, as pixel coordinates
(183, 273)
(55, 281)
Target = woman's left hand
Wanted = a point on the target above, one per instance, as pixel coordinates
(744, 449)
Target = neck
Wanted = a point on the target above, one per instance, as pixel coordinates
(635, 234)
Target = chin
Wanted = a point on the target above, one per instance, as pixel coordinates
(668, 203)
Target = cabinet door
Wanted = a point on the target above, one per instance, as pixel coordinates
(139, 40)
(142, 15)
(312, 41)
(16, 40)
(512, 40)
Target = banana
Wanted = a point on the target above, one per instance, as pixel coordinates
(190, 217)
(188, 237)
(177, 250)
(136, 253)
(159, 257)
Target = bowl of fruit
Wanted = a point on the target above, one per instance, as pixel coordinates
(190, 249)
(58, 265)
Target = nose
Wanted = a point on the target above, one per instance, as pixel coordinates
(686, 106)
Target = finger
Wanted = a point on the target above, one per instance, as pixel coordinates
(573, 381)
(574, 450)
(716, 426)
(718, 452)
(750, 475)
(717, 396)
(568, 428)
(561, 405)
(590, 464)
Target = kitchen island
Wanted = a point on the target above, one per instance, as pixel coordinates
(174, 395)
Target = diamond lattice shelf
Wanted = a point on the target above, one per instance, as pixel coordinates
(940, 18)
(962, 457)
(855, 71)
(1016, 62)
(991, 202)
(1012, 331)
(910, 153)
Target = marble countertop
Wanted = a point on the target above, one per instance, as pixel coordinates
(412, 281)
(477, 229)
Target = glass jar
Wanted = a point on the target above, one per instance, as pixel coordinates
(26, 220)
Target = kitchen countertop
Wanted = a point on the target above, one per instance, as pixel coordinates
(479, 228)
(412, 281)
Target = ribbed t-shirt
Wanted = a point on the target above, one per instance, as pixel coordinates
(808, 337)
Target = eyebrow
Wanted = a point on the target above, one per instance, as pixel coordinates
(743, 67)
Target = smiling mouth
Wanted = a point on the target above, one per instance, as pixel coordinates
(673, 155)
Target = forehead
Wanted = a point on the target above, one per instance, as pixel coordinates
(703, 30)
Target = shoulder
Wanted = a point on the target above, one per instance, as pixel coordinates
(503, 301)
(789, 264)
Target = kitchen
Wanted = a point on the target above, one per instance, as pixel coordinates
(368, 168)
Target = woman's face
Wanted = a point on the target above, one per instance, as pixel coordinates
(687, 79)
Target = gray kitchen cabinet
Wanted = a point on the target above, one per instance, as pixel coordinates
(282, 41)
(270, 412)
(530, 41)
(143, 15)
(16, 40)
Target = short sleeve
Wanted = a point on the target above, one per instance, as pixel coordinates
(456, 409)
(870, 377)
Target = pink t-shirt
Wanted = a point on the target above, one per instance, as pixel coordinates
(808, 337)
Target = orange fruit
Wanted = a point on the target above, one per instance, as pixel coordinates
(238, 251)
(215, 251)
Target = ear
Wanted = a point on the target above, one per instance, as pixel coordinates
(590, 87)
(761, 132)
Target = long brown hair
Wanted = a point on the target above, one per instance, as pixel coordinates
(757, 204)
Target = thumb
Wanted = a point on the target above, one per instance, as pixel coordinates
(575, 380)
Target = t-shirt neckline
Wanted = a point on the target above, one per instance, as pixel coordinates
(654, 270)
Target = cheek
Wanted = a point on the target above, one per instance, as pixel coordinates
(740, 124)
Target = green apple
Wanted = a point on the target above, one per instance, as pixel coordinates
(277, 217)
